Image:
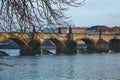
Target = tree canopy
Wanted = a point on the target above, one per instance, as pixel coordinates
(34, 14)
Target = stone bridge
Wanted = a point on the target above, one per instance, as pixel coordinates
(65, 43)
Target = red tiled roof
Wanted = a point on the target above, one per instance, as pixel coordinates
(104, 29)
(115, 28)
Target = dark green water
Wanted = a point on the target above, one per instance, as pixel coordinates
(51, 67)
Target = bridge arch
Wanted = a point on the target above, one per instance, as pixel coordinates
(102, 45)
(89, 43)
(114, 45)
(22, 45)
(20, 42)
(59, 45)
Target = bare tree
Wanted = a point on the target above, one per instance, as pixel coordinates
(30, 15)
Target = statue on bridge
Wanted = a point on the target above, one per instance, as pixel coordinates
(59, 30)
(70, 30)
(71, 46)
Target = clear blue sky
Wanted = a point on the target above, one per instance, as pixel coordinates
(96, 12)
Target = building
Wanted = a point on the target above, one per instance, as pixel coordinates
(75, 30)
(115, 30)
(103, 30)
(79, 30)
(96, 29)
(64, 30)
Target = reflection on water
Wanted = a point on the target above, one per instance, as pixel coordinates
(16, 52)
(53, 67)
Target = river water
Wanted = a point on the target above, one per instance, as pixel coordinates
(61, 67)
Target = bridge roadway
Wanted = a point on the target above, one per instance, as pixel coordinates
(65, 43)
